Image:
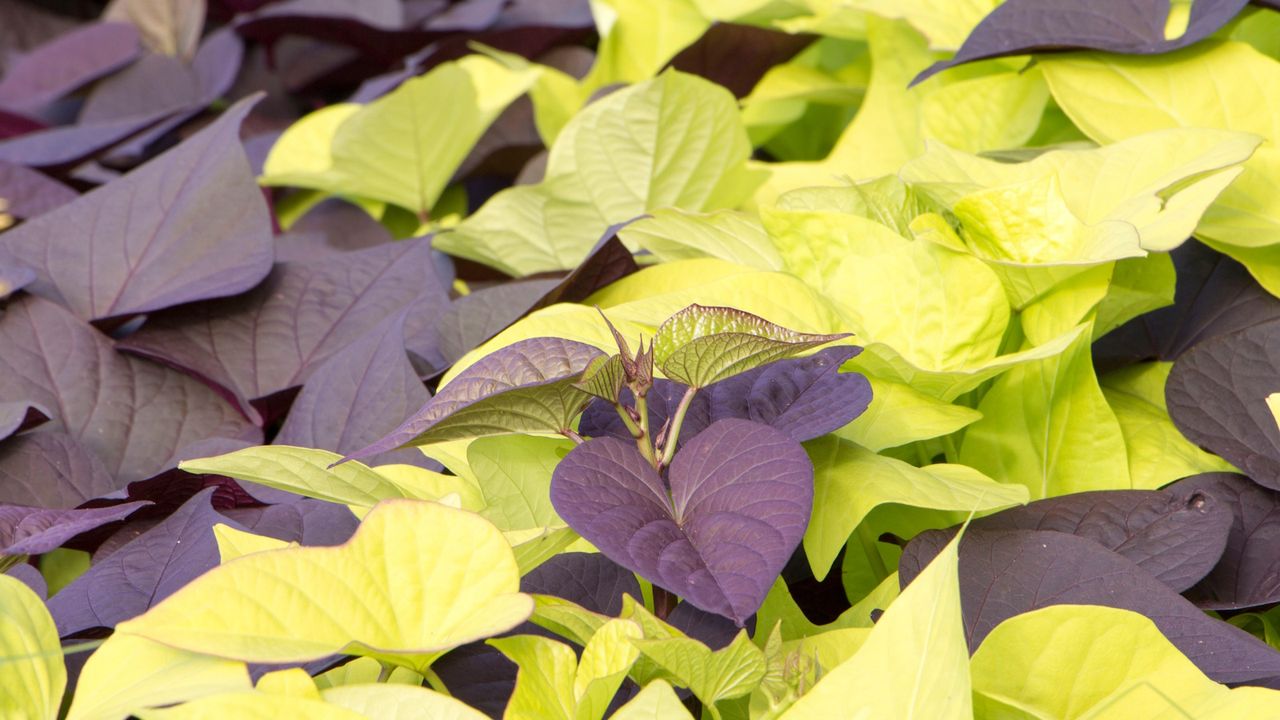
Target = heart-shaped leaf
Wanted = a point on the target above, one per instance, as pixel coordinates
(33, 531)
(65, 63)
(417, 579)
(159, 236)
(527, 387)
(730, 672)
(51, 470)
(739, 501)
(702, 345)
(131, 413)
(1248, 571)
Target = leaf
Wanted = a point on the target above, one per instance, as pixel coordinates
(273, 337)
(170, 27)
(639, 38)
(250, 706)
(702, 345)
(1110, 97)
(129, 673)
(850, 481)
(300, 604)
(33, 677)
(1047, 425)
(1104, 662)
(1022, 27)
(673, 141)
(35, 531)
(1005, 573)
(132, 414)
(1217, 394)
(590, 580)
(18, 416)
(656, 701)
(63, 64)
(1160, 182)
(1177, 534)
(312, 473)
(513, 475)
(143, 571)
(522, 388)
(913, 664)
(740, 498)
(1246, 575)
(1158, 453)
(712, 676)
(399, 702)
(357, 395)
(30, 193)
(672, 234)
(158, 236)
(51, 470)
(898, 415)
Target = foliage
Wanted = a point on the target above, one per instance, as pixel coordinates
(735, 359)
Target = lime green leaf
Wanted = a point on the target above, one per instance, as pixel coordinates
(1046, 425)
(1068, 303)
(604, 378)
(415, 580)
(32, 676)
(1160, 182)
(128, 673)
(702, 345)
(673, 141)
(399, 702)
(290, 682)
(1158, 452)
(604, 664)
(251, 706)
(422, 484)
(657, 701)
(813, 243)
(233, 543)
(898, 415)
(306, 471)
(946, 23)
(886, 200)
(566, 618)
(1273, 404)
(732, 671)
(850, 481)
(668, 278)
(915, 662)
(302, 156)
(362, 671)
(1075, 661)
(514, 477)
(534, 546)
(638, 37)
(672, 234)
(544, 684)
(61, 566)
(529, 229)
(1138, 286)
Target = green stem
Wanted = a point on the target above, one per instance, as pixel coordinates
(575, 437)
(435, 682)
(9, 561)
(632, 427)
(711, 710)
(673, 431)
(949, 449)
(385, 673)
(872, 552)
(644, 442)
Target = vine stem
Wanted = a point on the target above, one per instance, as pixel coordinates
(435, 682)
(575, 437)
(673, 432)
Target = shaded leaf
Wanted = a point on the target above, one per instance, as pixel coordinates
(63, 64)
(30, 192)
(51, 470)
(16, 417)
(740, 498)
(588, 579)
(131, 413)
(1004, 573)
(1248, 573)
(34, 531)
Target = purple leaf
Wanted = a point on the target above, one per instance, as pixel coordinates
(1004, 573)
(333, 226)
(131, 413)
(1215, 296)
(1020, 27)
(304, 521)
(589, 579)
(62, 147)
(719, 55)
(18, 416)
(31, 192)
(804, 397)
(30, 577)
(1177, 534)
(51, 470)
(14, 125)
(189, 225)
(474, 318)
(479, 675)
(60, 66)
(608, 262)
(714, 631)
(524, 387)
(357, 396)
(273, 337)
(740, 498)
(1217, 393)
(142, 572)
(1248, 575)
(33, 531)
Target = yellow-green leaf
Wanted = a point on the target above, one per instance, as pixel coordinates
(32, 676)
(730, 672)
(416, 579)
(672, 234)
(233, 543)
(379, 701)
(657, 701)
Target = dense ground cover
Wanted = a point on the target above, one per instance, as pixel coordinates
(703, 358)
